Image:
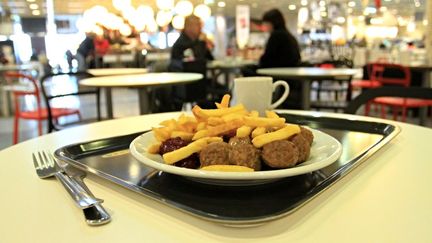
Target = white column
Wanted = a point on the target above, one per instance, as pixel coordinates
(220, 36)
(428, 30)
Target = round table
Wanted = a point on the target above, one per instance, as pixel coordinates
(307, 75)
(143, 82)
(226, 67)
(387, 198)
(116, 71)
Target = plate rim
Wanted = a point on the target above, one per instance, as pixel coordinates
(219, 175)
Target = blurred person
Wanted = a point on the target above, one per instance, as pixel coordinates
(85, 51)
(191, 46)
(282, 48)
(102, 46)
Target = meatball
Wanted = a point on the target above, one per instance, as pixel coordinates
(302, 145)
(307, 134)
(245, 155)
(280, 154)
(215, 154)
(237, 141)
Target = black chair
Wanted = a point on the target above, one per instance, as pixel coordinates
(76, 90)
(400, 92)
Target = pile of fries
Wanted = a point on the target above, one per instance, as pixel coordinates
(209, 125)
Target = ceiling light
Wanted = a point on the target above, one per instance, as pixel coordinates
(202, 11)
(322, 3)
(417, 4)
(165, 4)
(292, 7)
(351, 4)
(36, 12)
(383, 9)
(178, 22)
(121, 4)
(304, 2)
(221, 4)
(184, 8)
(425, 22)
(31, 1)
(350, 10)
(209, 2)
(33, 6)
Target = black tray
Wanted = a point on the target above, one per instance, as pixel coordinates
(244, 205)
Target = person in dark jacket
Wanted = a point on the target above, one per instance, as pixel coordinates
(282, 49)
(86, 50)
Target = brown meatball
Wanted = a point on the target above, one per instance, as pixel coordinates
(302, 145)
(245, 155)
(280, 154)
(307, 134)
(215, 154)
(236, 141)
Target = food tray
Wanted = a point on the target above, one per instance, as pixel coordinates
(110, 159)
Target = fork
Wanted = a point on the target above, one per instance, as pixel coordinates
(46, 167)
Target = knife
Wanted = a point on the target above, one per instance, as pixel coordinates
(96, 214)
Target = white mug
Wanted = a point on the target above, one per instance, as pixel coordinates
(256, 93)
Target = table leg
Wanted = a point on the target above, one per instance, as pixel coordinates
(144, 102)
(109, 105)
(306, 89)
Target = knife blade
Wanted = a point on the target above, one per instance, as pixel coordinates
(96, 214)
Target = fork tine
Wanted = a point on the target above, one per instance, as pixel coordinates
(42, 161)
(35, 162)
(47, 160)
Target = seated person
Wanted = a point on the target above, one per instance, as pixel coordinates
(190, 53)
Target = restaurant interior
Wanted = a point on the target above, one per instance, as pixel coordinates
(166, 104)
(40, 38)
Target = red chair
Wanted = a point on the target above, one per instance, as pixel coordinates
(366, 83)
(379, 74)
(40, 114)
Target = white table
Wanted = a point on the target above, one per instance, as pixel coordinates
(307, 75)
(227, 66)
(142, 82)
(386, 199)
(116, 71)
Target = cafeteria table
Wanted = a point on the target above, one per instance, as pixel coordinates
(97, 72)
(142, 82)
(226, 67)
(307, 75)
(387, 198)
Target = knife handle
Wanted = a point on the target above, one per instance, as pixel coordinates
(77, 192)
(95, 215)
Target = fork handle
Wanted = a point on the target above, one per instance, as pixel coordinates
(77, 192)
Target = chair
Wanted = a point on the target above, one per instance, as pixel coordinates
(395, 75)
(40, 114)
(366, 83)
(424, 94)
(73, 91)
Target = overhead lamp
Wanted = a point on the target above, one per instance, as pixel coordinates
(125, 30)
(121, 4)
(304, 2)
(202, 11)
(163, 18)
(178, 22)
(165, 4)
(221, 4)
(292, 7)
(33, 6)
(351, 4)
(146, 12)
(36, 12)
(184, 8)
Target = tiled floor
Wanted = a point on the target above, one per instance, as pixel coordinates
(125, 104)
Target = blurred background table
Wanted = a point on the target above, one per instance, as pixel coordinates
(142, 82)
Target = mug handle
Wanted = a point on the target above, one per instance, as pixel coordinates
(284, 95)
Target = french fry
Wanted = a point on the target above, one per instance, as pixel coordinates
(235, 116)
(258, 131)
(200, 134)
(201, 126)
(243, 131)
(271, 114)
(213, 139)
(187, 136)
(225, 101)
(227, 168)
(254, 113)
(154, 148)
(206, 113)
(280, 134)
(224, 128)
(161, 133)
(264, 122)
(183, 119)
(171, 123)
(184, 152)
(214, 121)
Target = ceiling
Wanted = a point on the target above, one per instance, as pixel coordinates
(63, 7)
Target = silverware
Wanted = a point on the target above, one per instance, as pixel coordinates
(95, 215)
(46, 167)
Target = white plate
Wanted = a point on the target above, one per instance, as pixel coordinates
(324, 151)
